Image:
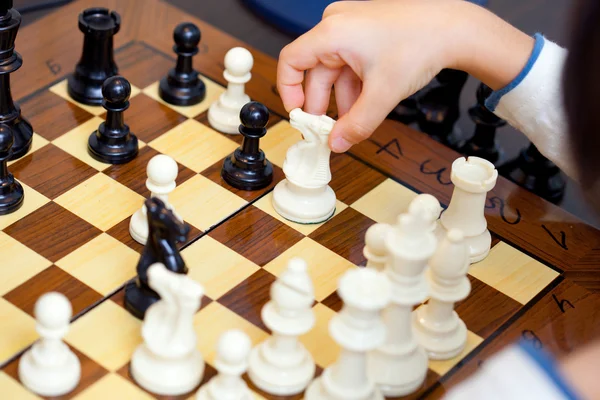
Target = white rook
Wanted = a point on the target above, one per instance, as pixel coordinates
(472, 179)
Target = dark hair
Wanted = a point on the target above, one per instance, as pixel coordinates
(581, 81)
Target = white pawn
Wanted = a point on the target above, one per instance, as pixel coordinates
(429, 206)
(437, 326)
(231, 362)
(357, 328)
(162, 172)
(50, 368)
(224, 114)
(281, 365)
(472, 179)
(374, 250)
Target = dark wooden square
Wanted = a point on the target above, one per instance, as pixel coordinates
(91, 372)
(142, 64)
(52, 231)
(133, 174)
(333, 301)
(51, 115)
(344, 234)
(256, 235)
(148, 119)
(53, 279)
(249, 296)
(51, 171)
(352, 179)
(214, 174)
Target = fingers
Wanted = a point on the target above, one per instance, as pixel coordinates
(367, 113)
(319, 82)
(347, 89)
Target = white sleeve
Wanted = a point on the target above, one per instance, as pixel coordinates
(516, 373)
(533, 104)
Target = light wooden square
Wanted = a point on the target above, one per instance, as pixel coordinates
(194, 145)
(513, 273)
(213, 91)
(101, 201)
(75, 143)
(104, 264)
(19, 263)
(203, 203)
(324, 266)
(32, 201)
(115, 387)
(318, 341)
(278, 140)
(385, 202)
(108, 334)
(61, 89)
(442, 367)
(13, 390)
(214, 320)
(18, 330)
(265, 203)
(37, 143)
(215, 266)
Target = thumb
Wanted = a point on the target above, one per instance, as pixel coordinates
(368, 112)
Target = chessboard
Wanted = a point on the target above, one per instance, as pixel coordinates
(538, 283)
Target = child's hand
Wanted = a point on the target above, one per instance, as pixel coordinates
(377, 53)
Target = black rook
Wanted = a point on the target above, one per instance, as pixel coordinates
(98, 25)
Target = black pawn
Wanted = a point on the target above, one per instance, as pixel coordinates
(182, 86)
(11, 191)
(439, 107)
(247, 168)
(483, 143)
(10, 113)
(113, 143)
(98, 25)
(165, 230)
(534, 172)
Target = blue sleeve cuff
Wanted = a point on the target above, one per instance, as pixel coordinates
(548, 365)
(492, 101)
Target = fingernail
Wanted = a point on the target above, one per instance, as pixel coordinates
(340, 145)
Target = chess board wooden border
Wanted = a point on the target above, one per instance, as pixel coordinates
(546, 233)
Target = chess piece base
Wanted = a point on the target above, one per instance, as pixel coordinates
(138, 300)
(23, 136)
(89, 93)
(316, 391)
(186, 94)
(443, 343)
(479, 245)
(165, 376)
(55, 380)
(246, 178)
(12, 201)
(279, 380)
(304, 205)
(398, 373)
(113, 154)
(225, 119)
(138, 226)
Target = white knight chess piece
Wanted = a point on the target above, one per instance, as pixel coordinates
(305, 195)
(168, 363)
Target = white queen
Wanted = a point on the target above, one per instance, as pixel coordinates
(305, 195)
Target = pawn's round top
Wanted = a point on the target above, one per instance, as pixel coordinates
(238, 61)
(254, 115)
(53, 310)
(6, 138)
(426, 204)
(233, 347)
(375, 238)
(116, 89)
(186, 36)
(162, 169)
